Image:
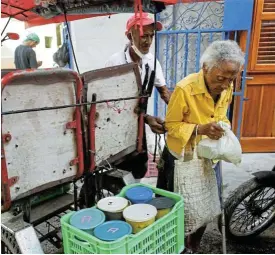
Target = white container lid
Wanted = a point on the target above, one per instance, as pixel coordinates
(140, 212)
(112, 204)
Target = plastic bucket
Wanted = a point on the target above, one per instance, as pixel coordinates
(140, 216)
(112, 230)
(163, 205)
(87, 219)
(139, 195)
(113, 207)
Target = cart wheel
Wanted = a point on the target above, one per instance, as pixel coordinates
(8, 243)
(249, 210)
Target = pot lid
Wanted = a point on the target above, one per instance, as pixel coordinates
(112, 230)
(162, 202)
(112, 204)
(87, 218)
(140, 212)
(139, 194)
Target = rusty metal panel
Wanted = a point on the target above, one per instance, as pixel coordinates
(40, 145)
(116, 123)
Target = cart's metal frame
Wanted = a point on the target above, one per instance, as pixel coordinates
(21, 221)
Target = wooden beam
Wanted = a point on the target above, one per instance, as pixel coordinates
(268, 16)
(258, 144)
(261, 79)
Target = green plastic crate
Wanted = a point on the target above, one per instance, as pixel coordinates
(165, 236)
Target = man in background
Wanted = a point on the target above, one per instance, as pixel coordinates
(24, 56)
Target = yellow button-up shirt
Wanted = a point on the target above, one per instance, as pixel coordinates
(191, 104)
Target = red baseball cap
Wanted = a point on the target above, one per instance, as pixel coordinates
(146, 20)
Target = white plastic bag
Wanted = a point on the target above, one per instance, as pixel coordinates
(227, 148)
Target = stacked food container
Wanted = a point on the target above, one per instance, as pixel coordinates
(141, 219)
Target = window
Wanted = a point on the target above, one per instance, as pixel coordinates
(48, 42)
(58, 35)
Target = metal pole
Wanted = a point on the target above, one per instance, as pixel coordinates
(75, 195)
(72, 105)
(6, 26)
(223, 211)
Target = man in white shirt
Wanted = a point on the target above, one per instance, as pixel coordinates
(140, 31)
(138, 51)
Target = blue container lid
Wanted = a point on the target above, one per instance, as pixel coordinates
(139, 194)
(87, 219)
(112, 230)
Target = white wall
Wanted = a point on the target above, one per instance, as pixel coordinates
(96, 39)
(7, 50)
(42, 53)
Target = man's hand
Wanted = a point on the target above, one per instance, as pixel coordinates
(165, 94)
(39, 63)
(156, 124)
(212, 130)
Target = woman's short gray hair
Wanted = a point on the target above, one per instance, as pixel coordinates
(220, 51)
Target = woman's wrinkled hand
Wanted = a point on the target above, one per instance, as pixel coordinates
(212, 130)
(156, 124)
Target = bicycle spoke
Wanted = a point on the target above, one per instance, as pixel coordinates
(238, 213)
(244, 221)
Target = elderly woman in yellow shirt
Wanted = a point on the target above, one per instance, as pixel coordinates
(199, 101)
